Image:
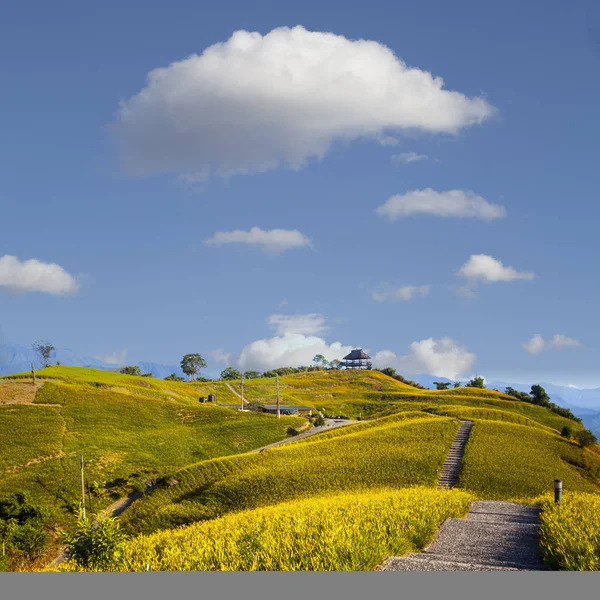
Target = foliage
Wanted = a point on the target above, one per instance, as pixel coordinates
(456, 384)
(538, 396)
(230, 373)
(333, 533)
(131, 370)
(585, 438)
(441, 385)
(320, 361)
(476, 382)
(251, 374)
(44, 349)
(567, 432)
(505, 461)
(174, 377)
(22, 529)
(570, 532)
(319, 421)
(191, 365)
(97, 543)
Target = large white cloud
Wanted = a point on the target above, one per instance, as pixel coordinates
(452, 203)
(310, 324)
(273, 240)
(442, 357)
(34, 275)
(481, 267)
(255, 102)
(559, 341)
(289, 350)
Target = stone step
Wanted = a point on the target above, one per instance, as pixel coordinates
(411, 563)
(487, 542)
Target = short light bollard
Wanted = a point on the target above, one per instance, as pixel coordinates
(557, 490)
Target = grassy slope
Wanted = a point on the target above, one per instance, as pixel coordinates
(507, 461)
(125, 428)
(397, 452)
(348, 532)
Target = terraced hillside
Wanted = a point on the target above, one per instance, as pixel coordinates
(135, 428)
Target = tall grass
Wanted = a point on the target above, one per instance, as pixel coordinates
(570, 532)
(349, 532)
(396, 453)
(506, 461)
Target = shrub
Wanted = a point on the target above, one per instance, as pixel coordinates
(319, 421)
(97, 542)
(131, 370)
(476, 382)
(567, 432)
(585, 438)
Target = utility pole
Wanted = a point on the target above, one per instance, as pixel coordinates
(242, 395)
(277, 384)
(82, 487)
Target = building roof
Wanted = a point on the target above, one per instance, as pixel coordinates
(357, 354)
(285, 407)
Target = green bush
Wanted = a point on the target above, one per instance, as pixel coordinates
(96, 543)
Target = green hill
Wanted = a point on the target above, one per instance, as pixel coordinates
(136, 430)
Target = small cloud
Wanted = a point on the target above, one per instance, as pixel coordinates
(309, 324)
(537, 343)
(220, 355)
(283, 303)
(481, 267)
(386, 140)
(274, 240)
(113, 358)
(34, 275)
(405, 292)
(408, 157)
(449, 204)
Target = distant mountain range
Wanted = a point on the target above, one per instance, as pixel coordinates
(15, 359)
(583, 403)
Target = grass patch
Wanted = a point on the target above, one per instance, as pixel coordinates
(351, 532)
(505, 461)
(570, 532)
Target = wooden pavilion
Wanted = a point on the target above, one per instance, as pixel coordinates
(357, 359)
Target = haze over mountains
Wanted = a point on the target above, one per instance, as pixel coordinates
(584, 403)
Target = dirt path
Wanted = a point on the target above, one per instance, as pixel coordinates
(235, 392)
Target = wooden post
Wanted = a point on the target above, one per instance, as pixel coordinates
(277, 384)
(90, 497)
(557, 490)
(82, 487)
(242, 394)
(32, 374)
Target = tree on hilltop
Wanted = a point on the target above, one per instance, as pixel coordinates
(173, 377)
(476, 382)
(132, 370)
(456, 384)
(585, 438)
(320, 360)
(538, 393)
(251, 374)
(335, 364)
(441, 385)
(230, 373)
(45, 350)
(191, 365)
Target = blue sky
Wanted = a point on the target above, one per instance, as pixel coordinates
(123, 202)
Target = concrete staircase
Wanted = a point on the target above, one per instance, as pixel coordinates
(449, 475)
(495, 536)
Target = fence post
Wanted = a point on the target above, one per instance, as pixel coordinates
(557, 490)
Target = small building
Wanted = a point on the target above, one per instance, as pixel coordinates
(357, 359)
(287, 410)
